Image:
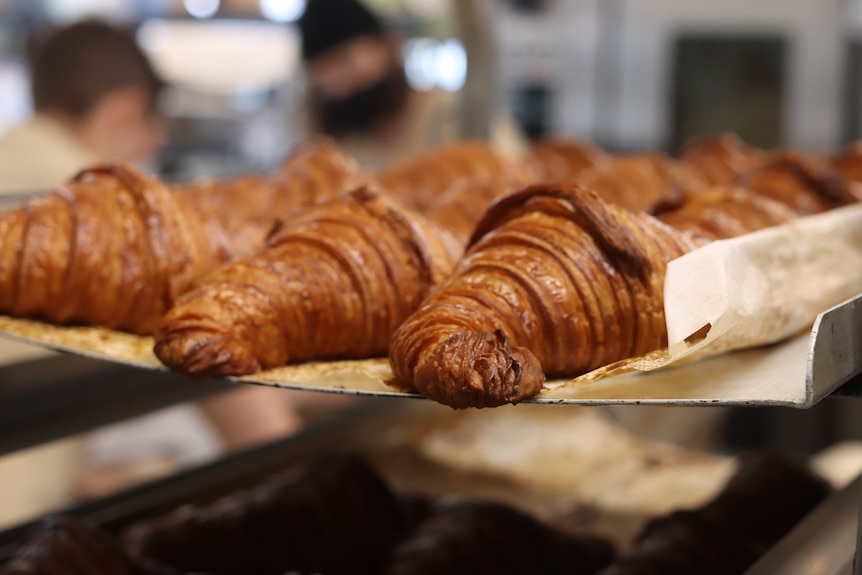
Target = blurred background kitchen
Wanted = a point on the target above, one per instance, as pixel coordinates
(627, 74)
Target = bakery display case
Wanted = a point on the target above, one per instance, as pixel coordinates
(642, 292)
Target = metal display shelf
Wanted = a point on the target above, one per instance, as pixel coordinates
(56, 397)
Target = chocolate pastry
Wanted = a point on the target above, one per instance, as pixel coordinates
(766, 497)
(477, 538)
(418, 183)
(460, 208)
(557, 281)
(726, 212)
(562, 160)
(720, 160)
(333, 282)
(66, 546)
(332, 515)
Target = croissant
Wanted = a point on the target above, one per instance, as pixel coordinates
(557, 281)
(726, 212)
(334, 282)
(112, 248)
(418, 183)
(640, 182)
(848, 163)
(805, 184)
(562, 160)
(462, 206)
(720, 160)
(246, 208)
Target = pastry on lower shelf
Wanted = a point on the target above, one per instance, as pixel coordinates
(476, 538)
(333, 282)
(768, 495)
(331, 515)
(720, 160)
(557, 282)
(726, 212)
(418, 183)
(66, 546)
(562, 160)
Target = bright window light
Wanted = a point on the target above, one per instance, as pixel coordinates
(451, 65)
(282, 10)
(201, 8)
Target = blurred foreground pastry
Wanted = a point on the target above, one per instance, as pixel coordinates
(333, 282)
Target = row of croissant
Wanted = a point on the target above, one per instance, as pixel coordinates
(475, 305)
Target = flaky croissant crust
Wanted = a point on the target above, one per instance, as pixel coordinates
(334, 282)
(557, 281)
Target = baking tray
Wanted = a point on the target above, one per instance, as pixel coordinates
(798, 372)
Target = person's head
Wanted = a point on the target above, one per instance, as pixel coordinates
(353, 65)
(98, 82)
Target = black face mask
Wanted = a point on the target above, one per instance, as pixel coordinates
(359, 112)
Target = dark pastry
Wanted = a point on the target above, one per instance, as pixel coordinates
(333, 515)
(477, 538)
(66, 546)
(767, 496)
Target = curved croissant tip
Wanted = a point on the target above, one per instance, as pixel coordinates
(478, 369)
(200, 355)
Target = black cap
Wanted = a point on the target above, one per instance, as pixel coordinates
(328, 23)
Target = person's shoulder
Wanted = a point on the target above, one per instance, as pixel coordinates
(37, 155)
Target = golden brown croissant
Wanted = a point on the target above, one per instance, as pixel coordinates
(247, 208)
(112, 248)
(640, 182)
(418, 183)
(805, 184)
(557, 281)
(334, 282)
(460, 208)
(720, 160)
(726, 212)
(562, 160)
(848, 163)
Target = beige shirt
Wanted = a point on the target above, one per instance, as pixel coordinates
(39, 154)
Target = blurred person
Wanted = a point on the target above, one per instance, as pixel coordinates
(358, 92)
(95, 99)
